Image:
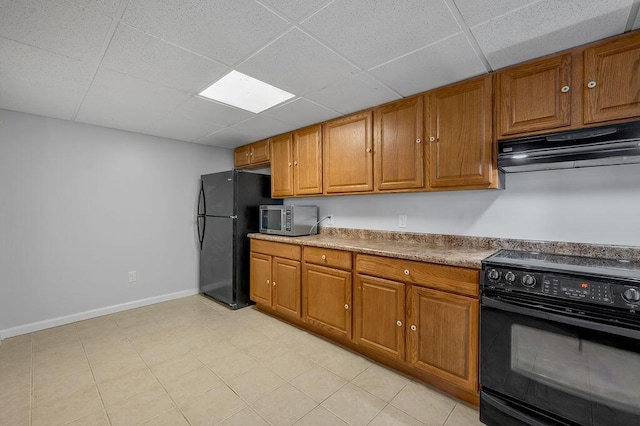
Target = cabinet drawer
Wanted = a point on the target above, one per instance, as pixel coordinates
(328, 257)
(448, 278)
(288, 251)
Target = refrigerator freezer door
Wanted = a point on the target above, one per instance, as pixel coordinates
(218, 194)
(217, 260)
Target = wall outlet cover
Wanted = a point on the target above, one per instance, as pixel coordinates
(402, 221)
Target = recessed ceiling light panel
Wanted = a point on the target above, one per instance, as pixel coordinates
(248, 93)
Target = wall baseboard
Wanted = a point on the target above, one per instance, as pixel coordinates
(67, 319)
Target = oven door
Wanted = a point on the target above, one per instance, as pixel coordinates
(539, 367)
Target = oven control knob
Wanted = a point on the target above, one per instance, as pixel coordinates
(493, 274)
(528, 280)
(510, 277)
(632, 295)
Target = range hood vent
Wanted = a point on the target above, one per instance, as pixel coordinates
(598, 146)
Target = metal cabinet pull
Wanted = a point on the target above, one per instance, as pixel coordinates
(346, 306)
(432, 138)
(406, 272)
(564, 89)
(418, 140)
(399, 323)
(289, 163)
(591, 84)
(295, 163)
(268, 281)
(324, 257)
(368, 149)
(414, 328)
(274, 283)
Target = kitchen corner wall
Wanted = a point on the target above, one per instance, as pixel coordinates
(80, 206)
(599, 205)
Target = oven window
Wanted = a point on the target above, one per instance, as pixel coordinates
(583, 368)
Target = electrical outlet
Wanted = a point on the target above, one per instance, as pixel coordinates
(133, 276)
(402, 221)
(330, 219)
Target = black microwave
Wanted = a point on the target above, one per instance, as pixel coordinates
(289, 220)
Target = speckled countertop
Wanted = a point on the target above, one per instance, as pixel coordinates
(452, 250)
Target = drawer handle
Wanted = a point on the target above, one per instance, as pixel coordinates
(591, 84)
(346, 306)
(324, 257)
(399, 323)
(414, 328)
(406, 272)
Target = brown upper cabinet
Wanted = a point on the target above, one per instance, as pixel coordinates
(282, 165)
(460, 134)
(612, 80)
(347, 149)
(398, 147)
(254, 154)
(534, 96)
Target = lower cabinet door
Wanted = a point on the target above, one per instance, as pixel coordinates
(286, 286)
(443, 335)
(379, 315)
(260, 279)
(326, 299)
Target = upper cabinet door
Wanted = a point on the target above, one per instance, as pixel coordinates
(348, 154)
(612, 80)
(307, 161)
(241, 156)
(398, 147)
(282, 166)
(259, 152)
(534, 96)
(460, 137)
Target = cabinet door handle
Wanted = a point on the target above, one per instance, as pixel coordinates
(289, 163)
(406, 272)
(251, 154)
(368, 149)
(268, 281)
(591, 84)
(414, 328)
(565, 89)
(295, 163)
(274, 283)
(432, 138)
(324, 257)
(346, 306)
(418, 140)
(399, 323)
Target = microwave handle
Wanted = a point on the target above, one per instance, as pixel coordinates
(559, 318)
(283, 219)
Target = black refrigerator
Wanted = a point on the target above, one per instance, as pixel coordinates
(228, 209)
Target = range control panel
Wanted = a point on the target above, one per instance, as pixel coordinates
(588, 290)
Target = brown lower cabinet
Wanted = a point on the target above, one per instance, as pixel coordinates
(417, 317)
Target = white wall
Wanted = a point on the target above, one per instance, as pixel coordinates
(80, 206)
(599, 205)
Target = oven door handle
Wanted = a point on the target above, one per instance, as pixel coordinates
(504, 408)
(563, 319)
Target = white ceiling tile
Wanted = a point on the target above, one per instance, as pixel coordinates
(549, 26)
(443, 63)
(370, 32)
(55, 25)
(477, 11)
(226, 138)
(124, 102)
(354, 94)
(213, 112)
(140, 55)
(260, 127)
(178, 125)
(223, 30)
(296, 9)
(40, 82)
(298, 64)
(108, 7)
(301, 112)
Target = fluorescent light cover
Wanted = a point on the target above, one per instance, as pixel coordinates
(242, 91)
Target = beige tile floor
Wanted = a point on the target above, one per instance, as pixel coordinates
(192, 362)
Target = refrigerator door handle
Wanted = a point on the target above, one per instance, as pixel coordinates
(201, 231)
(202, 201)
(235, 216)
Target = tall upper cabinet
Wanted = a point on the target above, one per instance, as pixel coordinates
(296, 163)
(398, 147)
(460, 134)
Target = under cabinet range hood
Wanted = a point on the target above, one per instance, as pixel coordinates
(597, 146)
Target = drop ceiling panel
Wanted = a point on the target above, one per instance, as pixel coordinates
(370, 32)
(477, 11)
(260, 127)
(40, 82)
(124, 102)
(55, 25)
(549, 26)
(140, 55)
(178, 125)
(301, 112)
(298, 64)
(440, 64)
(205, 110)
(223, 30)
(296, 9)
(226, 138)
(108, 7)
(354, 94)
